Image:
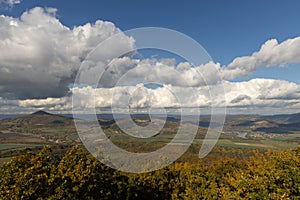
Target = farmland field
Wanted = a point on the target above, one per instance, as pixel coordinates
(17, 146)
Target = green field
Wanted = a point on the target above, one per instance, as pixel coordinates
(17, 146)
(72, 137)
(55, 131)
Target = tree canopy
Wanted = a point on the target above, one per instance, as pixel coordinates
(78, 175)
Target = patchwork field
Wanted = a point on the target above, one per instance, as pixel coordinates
(242, 132)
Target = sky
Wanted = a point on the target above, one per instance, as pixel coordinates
(254, 45)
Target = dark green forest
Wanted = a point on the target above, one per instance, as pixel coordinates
(78, 175)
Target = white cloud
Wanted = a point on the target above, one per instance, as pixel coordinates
(253, 93)
(262, 92)
(126, 71)
(271, 54)
(259, 94)
(48, 102)
(39, 56)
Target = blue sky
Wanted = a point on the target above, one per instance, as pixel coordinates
(226, 29)
(41, 51)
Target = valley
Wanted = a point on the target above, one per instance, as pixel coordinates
(240, 132)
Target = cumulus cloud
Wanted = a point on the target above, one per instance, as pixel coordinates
(261, 92)
(253, 93)
(127, 71)
(39, 56)
(122, 71)
(271, 54)
(239, 95)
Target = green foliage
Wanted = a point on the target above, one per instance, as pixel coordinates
(269, 175)
(80, 176)
(42, 176)
(27, 176)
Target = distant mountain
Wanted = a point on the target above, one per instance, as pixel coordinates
(38, 128)
(284, 123)
(39, 118)
(41, 112)
(285, 118)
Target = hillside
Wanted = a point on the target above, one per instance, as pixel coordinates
(36, 130)
(36, 119)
